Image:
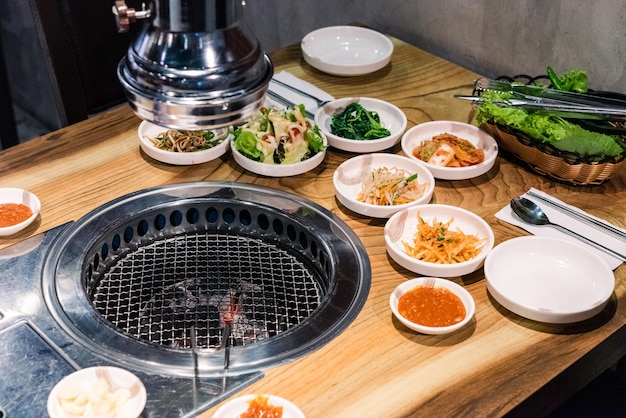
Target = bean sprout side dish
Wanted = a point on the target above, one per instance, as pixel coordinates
(391, 186)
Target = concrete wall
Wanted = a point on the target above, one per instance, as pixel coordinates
(490, 37)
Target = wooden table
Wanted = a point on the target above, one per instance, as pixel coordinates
(500, 363)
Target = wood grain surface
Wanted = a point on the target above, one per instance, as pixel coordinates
(500, 363)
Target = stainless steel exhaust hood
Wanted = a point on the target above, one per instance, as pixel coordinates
(194, 65)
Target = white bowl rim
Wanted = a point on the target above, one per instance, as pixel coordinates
(180, 158)
(89, 373)
(377, 161)
(455, 173)
(290, 410)
(279, 170)
(15, 195)
(368, 103)
(486, 249)
(460, 291)
(536, 311)
(347, 69)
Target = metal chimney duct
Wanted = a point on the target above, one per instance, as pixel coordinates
(195, 64)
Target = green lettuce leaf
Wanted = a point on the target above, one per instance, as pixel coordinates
(560, 133)
(246, 143)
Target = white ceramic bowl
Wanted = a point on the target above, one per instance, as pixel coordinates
(346, 50)
(460, 291)
(147, 129)
(237, 406)
(391, 117)
(278, 170)
(14, 195)
(84, 380)
(548, 279)
(348, 180)
(402, 227)
(479, 138)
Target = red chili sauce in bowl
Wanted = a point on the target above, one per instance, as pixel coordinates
(13, 214)
(260, 407)
(431, 306)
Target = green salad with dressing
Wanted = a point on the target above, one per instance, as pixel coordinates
(279, 136)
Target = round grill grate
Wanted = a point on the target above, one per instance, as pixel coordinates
(152, 278)
(161, 290)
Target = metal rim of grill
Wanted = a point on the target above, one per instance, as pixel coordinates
(132, 278)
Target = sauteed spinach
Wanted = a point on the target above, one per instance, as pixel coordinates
(356, 122)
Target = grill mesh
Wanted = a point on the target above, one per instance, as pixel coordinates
(157, 292)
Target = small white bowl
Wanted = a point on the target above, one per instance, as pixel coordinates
(346, 50)
(84, 380)
(548, 279)
(147, 129)
(464, 295)
(479, 138)
(14, 195)
(278, 170)
(391, 117)
(348, 179)
(402, 227)
(237, 406)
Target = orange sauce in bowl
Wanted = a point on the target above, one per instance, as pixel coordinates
(13, 214)
(431, 306)
(259, 407)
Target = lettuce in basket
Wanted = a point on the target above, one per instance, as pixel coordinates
(558, 132)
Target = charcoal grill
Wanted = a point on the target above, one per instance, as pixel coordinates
(150, 282)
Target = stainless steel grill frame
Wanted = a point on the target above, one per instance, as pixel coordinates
(312, 239)
(52, 303)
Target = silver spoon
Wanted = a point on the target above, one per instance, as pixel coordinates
(530, 212)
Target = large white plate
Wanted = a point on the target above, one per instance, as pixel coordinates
(548, 279)
(238, 406)
(346, 50)
(479, 138)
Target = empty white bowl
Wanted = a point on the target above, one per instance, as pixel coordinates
(391, 117)
(20, 196)
(348, 180)
(346, 50)
(237, 406)
(459, 291)
(150, 130)
(83, 383)
(549, 280)
(479, 138)
(402, 227)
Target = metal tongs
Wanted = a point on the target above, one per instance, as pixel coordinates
(228, 319)
(550, 101)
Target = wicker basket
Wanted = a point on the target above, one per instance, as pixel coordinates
(553, 163)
